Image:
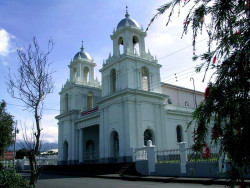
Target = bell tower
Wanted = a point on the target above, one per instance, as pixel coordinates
(128, 38)
(82, 69)
(130, 66)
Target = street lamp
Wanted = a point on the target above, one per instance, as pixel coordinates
(16, 132)
(194, 92)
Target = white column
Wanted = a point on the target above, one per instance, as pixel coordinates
(101, 135)
(115, 48)
(80, 145)
(183, 157)
(151, 82)
(60, 148)
(142, 45)
(91, 74)
(139, 79)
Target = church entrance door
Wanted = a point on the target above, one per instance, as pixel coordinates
(114, 146)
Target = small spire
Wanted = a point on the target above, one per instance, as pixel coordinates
(142, 27)
(82, 48)
(127, 15)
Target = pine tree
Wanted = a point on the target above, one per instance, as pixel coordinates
(226, 103)
(6, 127)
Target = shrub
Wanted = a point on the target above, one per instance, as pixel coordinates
(10, 179)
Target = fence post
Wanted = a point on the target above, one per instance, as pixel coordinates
(133, 154)
(222, 160)
(183, 157)
(222, 163)
(151, 157)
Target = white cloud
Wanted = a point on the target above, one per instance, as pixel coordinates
(50, 129)
(5, 42)
(50, 134)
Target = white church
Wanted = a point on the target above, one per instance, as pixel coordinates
(106, 122)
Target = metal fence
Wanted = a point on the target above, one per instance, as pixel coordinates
(21, 163)
(168, 156)
(208, 154)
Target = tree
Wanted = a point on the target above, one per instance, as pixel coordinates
(6, 127)
(226, 103)
(32, 83)
(21, 153)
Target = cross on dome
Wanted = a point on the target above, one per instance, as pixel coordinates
(127, 14)
(82, 48)
(82, 54)
(127, 21)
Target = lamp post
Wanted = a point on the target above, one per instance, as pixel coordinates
(16, 132)
(194, 92)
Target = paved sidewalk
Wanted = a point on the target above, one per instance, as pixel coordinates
(205, 181)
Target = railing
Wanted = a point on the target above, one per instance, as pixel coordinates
(46, 161)
(141, 154)
(20, 163)
(209, 154)
(168, 156)
(179, 157)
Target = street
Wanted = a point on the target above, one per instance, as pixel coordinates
(58, 181)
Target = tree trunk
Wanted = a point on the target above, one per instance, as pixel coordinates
(34, 171)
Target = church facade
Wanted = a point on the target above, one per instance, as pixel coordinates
(106, 122)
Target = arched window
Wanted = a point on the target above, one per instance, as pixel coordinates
(66, 101)
(113, 80)
(136, 49)
(179, 133)
(121, 46)
(148, 135)
(145, 79)
(169, 101)
(114, 144)
(186, 104)
(74, 74)
(65, 151)
(86, 75)
(90, 100)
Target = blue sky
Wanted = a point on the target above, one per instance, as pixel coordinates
(70, 22)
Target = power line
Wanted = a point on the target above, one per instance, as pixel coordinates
(180, 49)
(26, 107)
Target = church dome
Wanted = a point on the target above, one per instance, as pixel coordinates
(127, 22)
(82, 55)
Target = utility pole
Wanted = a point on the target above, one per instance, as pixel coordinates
(16, 132)
(194, 92)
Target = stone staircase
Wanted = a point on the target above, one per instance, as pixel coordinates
(128, 169)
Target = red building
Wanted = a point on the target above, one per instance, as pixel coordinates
(7, 156)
